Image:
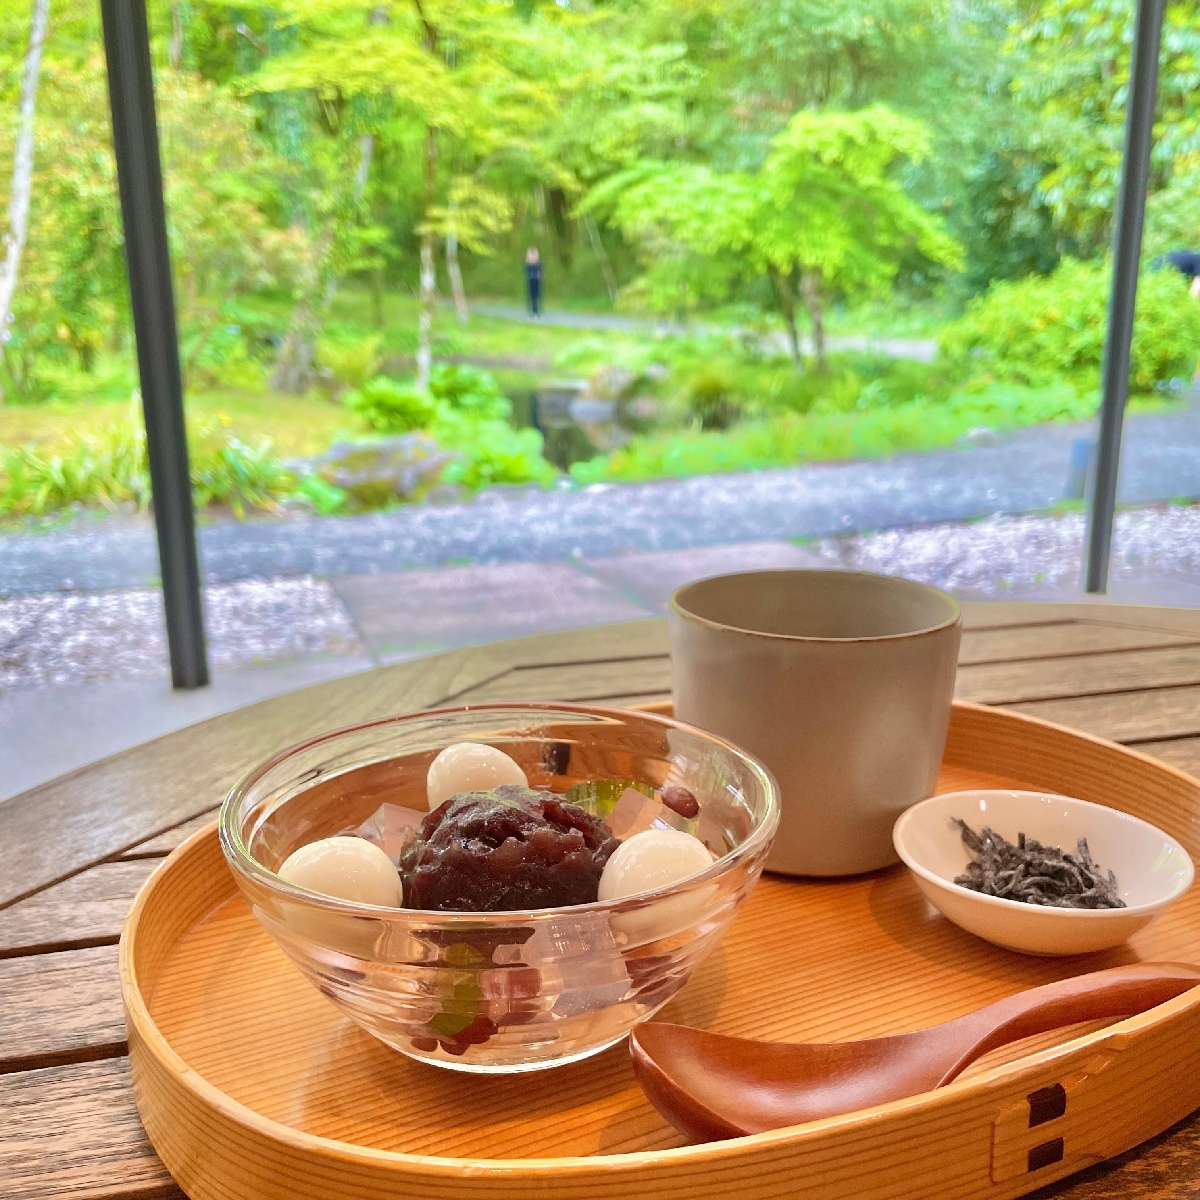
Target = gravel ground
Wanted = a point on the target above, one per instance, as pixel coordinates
(1022, 473)
(1006, 554)
(70, 638)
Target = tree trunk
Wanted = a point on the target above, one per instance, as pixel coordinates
(786, 298)
(610, 280)
(377, 282)
(175, 48)
(456, 279)
(428, 269)
(810, 289)
(294, 364)
(559, 211)
(22, 174)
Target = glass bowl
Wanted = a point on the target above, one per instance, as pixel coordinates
(497, 991)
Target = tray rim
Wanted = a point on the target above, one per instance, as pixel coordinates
(144, 1036)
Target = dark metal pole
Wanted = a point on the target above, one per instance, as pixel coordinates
(139, 174)
(1127, 249)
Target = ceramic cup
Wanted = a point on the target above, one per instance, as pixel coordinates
(840, 682)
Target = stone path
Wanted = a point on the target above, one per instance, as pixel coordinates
(1024, 472)
(923, 349)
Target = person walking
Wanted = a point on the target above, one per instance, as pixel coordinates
(533, 280)
(1187, 263)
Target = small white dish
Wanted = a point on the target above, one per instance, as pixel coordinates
(1152, 869)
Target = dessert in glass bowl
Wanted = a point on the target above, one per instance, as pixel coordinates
(502, 887)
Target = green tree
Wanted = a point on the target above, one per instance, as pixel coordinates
(477, 83)
(1070, 68)
(823, 216)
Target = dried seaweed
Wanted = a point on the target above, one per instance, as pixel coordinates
(1035, 874)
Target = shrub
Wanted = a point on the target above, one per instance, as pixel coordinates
(488, 452)
(792, 438)
(467, 414)
(238, 475)
(1037, 330)
(391, 407)
(351, 361)
(110, 469)
(470, 390)
(709, 396)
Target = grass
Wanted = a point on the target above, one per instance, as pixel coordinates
(793, 438)
(297, 425)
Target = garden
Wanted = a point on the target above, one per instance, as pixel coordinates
(833, 232)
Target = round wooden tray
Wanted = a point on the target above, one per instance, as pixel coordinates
(252, 1086)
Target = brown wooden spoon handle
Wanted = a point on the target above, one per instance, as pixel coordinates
(1116, 992)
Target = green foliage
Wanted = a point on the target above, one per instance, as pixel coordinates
(111, 470)
(108, 470)
(825, 213)
(710, 398)
(1070, 64)
(237, 475)
(790, 439)
(388, 406)
(469, 390)
(1041, 329)
(352, 361)
(489, 452)
(466, 413)
(326, 498)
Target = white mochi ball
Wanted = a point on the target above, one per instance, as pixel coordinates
(470, 767)
(654, 858)
(346, 868)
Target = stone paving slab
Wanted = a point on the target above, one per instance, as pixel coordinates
(650, 579)
(48, 731)
(404, 615)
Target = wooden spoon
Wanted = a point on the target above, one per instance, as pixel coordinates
(710, 1086)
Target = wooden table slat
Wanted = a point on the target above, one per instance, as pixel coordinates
(60, 1008)
(1060, 641)
(70, 1129)
(1042, 679)
(86, 910)
(73, 1131)
(1183, 753)
(594, 682)
(999, 614)
(1134, 716)
(164, 843)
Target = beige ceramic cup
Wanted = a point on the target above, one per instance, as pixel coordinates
(840, 682)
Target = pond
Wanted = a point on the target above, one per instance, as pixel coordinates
(577, 426)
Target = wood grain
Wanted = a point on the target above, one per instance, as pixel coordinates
(120, 807)
(1183, 753)
(104, 809)
(585, 683)
(997, 614)
(74, 1132)
(86, 910)
(874, 959)
(60, 1008)
(1132, 716)
(1059, 640)
(1010, 683)
(164, 843)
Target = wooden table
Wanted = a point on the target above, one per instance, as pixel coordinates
(75, 850)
